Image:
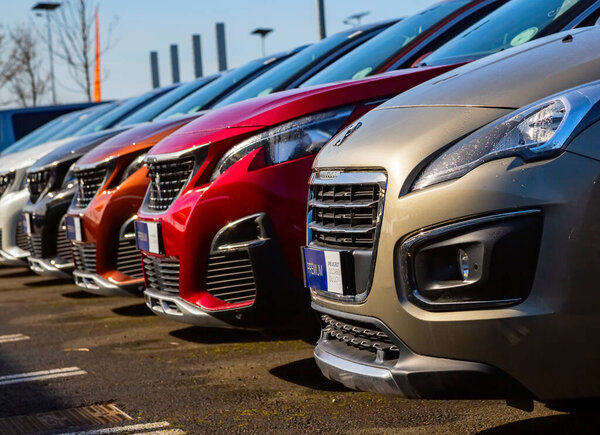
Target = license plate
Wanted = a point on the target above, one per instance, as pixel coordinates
(74, 228)
(324, 270)
(26, 223)
(148, 237)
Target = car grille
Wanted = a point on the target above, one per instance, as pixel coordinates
(167, 179)
(6, 180)
(162, 274)
(22, 239)
(89, 183)
(35, 246)
(346, 214)
(84, 255)
(37, 182)
(63, 245)
(129, 260)
(357, 335)
(229, 277)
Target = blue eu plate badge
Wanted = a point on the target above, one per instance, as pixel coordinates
(74, 230)
(148, 236)
(323, 270)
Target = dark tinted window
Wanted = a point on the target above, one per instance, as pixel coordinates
(513, 24)
(163, 103)
(202, 98)
(125, 108)
(371, 55)
(281, 74)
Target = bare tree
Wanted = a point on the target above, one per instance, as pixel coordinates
(73, 25)
(27, 81)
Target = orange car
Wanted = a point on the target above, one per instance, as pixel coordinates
(100, 220)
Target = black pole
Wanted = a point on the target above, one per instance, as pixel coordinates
(197, 49)
(154, 69)
(175, 63)
(221, 47)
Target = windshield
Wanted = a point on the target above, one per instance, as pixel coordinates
(202, 98)
(513, 24)
(285, 71)
(123, 109)
(373, 54)
(163, 103)
(82, 120)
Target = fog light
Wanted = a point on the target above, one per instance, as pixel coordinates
(463, 264)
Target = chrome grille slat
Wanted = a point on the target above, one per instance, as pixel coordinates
(346, 214)
(37, 183)
(162, 274)
(35, 246)
(230, 278)
(89, 183)
(167, 180)
(21, 238)
(129, 260)
(84, 255)
(63, 245)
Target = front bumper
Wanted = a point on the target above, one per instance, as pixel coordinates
(108, 263)
(98, 285)
(175, 308)
(14, 250)
(244, 265)
(54, 267)
(342, 356)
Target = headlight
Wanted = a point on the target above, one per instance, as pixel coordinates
(537, 131)
(292, 140)
(70, 178)
(6, 180)
(137, 163)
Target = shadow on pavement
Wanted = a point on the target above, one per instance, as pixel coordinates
(197, 334)
(80, 295)
(16, 273)
(566, 423)
(306, 374)
(49, 282)
(136, 310)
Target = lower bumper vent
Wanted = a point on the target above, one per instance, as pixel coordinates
(84, 255)
(229, 277)
(162, 274)
(359, 336)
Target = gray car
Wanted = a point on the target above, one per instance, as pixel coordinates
(453, 235)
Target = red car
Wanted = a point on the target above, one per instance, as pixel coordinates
(224, 216)
(105, 256)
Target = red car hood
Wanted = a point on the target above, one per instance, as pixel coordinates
(133, 140)
(283, 106)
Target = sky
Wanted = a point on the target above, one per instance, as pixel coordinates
(141, 26)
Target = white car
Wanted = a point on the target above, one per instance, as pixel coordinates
(14, 246)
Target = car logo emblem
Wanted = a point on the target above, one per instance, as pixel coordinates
(350, 130)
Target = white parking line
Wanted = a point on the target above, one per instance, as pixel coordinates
(162, 432)
(41, 375)
(12, 337)
(123, 429)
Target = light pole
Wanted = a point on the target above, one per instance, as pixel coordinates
(321, 19)
(49, 7)
(354, 20)
(262, 32)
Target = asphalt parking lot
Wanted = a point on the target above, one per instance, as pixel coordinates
(76, 363)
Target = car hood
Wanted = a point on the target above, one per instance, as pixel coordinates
(401, 135)
(283, 106)
(516, 77)
(140, 137)
(26, 158)
(75, 148)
